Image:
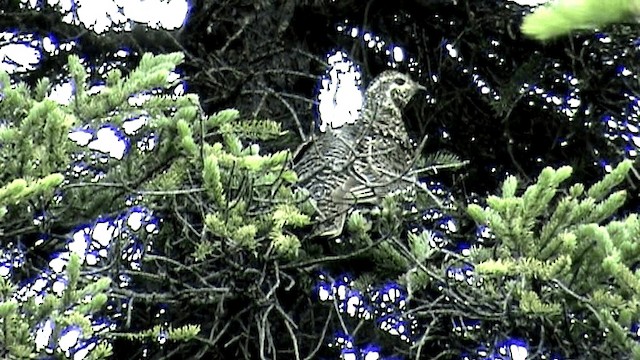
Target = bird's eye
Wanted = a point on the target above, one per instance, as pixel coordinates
(399, 81)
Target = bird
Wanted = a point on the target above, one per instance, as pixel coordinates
(360, 163)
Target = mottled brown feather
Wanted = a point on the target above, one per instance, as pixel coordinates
(360, 163)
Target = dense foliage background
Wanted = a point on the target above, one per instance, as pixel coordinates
(237, 262)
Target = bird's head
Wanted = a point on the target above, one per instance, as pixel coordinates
(395, 86)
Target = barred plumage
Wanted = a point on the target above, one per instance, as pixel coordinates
(363, 162)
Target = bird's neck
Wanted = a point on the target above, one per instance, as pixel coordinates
(385, 119)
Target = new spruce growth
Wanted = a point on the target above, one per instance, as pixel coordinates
(219, 199)
(559, 255)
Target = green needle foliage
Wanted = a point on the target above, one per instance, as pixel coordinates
(231, 246)
(221, 201)
(563, 16)
(558, 255)
(76, 305)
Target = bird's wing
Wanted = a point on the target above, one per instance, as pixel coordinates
(380, 169)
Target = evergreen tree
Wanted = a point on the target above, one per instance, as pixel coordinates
(211, 255)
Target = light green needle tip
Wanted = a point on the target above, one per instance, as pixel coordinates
(563, 16)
